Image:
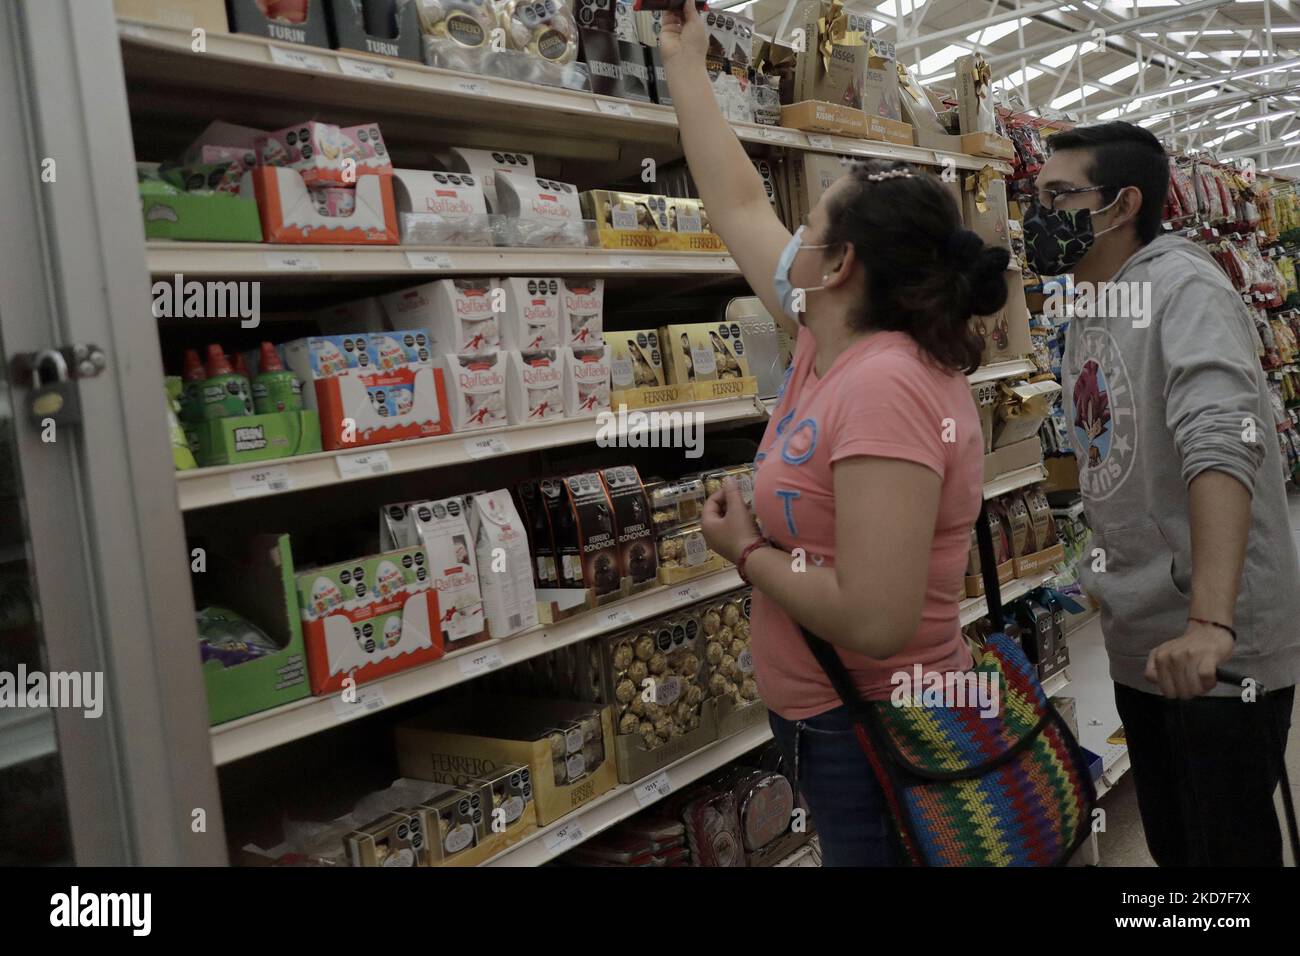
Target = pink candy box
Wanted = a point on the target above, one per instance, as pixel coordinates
(318, 150)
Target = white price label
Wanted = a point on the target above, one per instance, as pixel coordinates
(486, 447)
(566, 836)
(298, 59)
(652, 790)
(481, 663)
(618, 617)
(820, 141)
(687, 594)
(367, 71)
(614, 108)
(364, 463)
(293, 261)
(470, 86)
(628, 262)
(260, 481)
(775, 135)
(369, 699)
(131, 30)
(429, 260)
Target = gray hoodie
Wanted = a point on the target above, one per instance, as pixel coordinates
(1148, 409)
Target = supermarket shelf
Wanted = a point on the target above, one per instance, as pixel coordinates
(807, 855)
(1013, 480)
(624, 801)
(255, 259)
(258, 732)
(1094, 694)
(973, 609)
(1114, 770)
(25, 735)
(1072, 513)
(997, 370)
(206, 487)
(344, 81)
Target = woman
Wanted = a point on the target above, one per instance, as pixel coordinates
(869, 477)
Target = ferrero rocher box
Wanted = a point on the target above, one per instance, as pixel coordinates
(502, 731)
(646, 222)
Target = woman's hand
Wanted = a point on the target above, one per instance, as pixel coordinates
(683, 32)
(728, 526)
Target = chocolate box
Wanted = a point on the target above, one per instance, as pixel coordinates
(597, 535)
(247, 17)
(582, 307)
(461, 315)
(535, 389)
(476, 387)
(509, 599)
(586, 380)
(532, 315)
(637, 560)
(378, 27)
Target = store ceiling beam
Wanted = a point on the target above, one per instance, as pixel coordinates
(966, 29)
(1120, 28)
(1195, 86)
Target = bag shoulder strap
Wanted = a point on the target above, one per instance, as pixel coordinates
(989, 568)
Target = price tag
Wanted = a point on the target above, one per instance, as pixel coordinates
(293, 261)
(774, 135)
(298, 59)
(481, 663)
(486, 447)
(367, 71)
(429, 260)
(260, 481)
(628, 262)
(687, 594)
(652, 790)
(618, 617)
(473, 87)
(819, 141)
(131, 30)
(614, 108)
(566, 836)
(365, 463)
(369, 699)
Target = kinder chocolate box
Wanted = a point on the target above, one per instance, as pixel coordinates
(318, 150)
(443, 530)
(582, 307)
(526, 197)
(325, 356)
(390, 350)
(535, 391)
(334, 201)
(586, 380)
(290, 214)
(486, 165)
(460, 314)
(477, 385)
(532, 316)
(509, 598)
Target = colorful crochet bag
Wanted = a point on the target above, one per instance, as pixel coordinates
(965, 789)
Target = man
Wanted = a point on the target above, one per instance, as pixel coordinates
(1193, 563)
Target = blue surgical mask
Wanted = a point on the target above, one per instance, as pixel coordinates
(781, 278)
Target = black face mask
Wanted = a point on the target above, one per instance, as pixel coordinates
(1056, 239)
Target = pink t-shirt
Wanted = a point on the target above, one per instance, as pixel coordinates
(881, 397)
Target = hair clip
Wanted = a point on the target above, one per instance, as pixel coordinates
(889, 174)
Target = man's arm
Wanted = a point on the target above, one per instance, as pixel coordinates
(1210, 401)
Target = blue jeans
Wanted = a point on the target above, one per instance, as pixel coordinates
(835, 778)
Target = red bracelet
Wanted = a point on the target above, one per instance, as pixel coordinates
(744, 556)
(1201, 620)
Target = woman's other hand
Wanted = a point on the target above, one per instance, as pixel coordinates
(682, 31)
(728, 526)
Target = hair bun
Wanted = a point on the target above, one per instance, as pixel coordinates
(963, 246)
(986, 273)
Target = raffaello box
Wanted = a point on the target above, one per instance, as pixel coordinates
(532, 313)
(363, 402)
(293, 213)
(535, 389)
(462, 315)
(582, 309)
(320, 151)
(477, 387)
(586, 380)
(368, 618)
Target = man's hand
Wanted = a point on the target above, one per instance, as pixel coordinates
(683, 32)
(727, 524)
(1184, 667)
